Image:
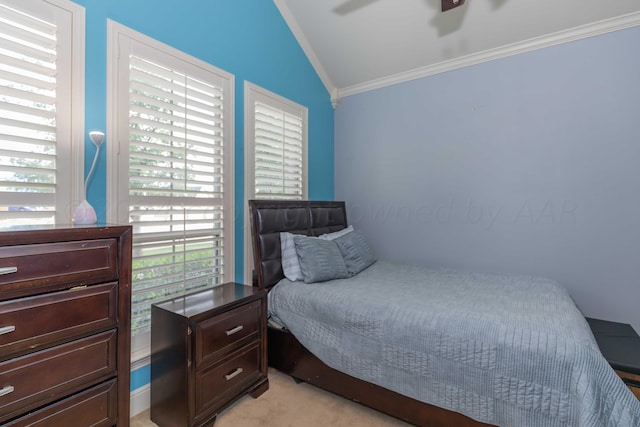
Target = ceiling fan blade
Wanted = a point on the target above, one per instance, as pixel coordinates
(351, 6)
(450, 4)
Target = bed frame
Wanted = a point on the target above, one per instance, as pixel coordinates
(285, 353)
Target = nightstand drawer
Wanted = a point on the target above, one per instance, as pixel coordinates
(31, 269)
(222, 382)
(47, 375)
(226, 332)
(33, 322)
(96, 407)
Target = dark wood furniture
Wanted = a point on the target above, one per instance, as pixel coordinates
(620, 345)
(207, 350)
(285, 353)
(65, 303)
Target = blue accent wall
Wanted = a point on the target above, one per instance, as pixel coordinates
(140, 377)
(528, 164)
(248, 38)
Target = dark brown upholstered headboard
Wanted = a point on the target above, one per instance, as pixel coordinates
(270, 217)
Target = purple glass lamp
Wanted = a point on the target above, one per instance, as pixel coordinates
(84, 214)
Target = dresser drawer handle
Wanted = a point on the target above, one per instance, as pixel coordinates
(234, 330)
(232, 375)
(6, 390)
(8, 270)
(7, 329)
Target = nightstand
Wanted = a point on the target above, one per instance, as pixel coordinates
(207, 350)
(620, 345)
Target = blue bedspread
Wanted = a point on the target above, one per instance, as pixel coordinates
(507, 350)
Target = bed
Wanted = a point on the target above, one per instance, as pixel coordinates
(444, 365)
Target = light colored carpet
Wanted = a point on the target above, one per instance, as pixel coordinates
(287, 404)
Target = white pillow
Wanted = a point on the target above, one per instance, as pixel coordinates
(335, 235)
(290, 263)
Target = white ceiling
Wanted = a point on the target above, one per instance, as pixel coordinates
(358, 45)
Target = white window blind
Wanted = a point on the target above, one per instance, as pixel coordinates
(279, 152)
(275, 153)
(36, 64)
(178, 165)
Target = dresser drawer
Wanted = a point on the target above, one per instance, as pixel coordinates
(45, 376)
(221, 382)
(95, 407)
(31, 269)
(226, 332)
(32, 322)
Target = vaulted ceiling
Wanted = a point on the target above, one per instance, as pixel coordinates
(358, 45)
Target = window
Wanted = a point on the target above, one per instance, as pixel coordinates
(173, 117)
(41, 118)
(276, 153)
(276, 137)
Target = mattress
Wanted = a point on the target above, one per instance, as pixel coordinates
(502, 349)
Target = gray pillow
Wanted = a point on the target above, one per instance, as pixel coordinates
(356, 252)
(320, 260)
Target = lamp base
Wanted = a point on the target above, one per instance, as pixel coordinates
(84, 214)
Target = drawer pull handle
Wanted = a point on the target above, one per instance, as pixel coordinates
(8, 270)
(232, 375)
(234, 330)
(7, 329)
(6, 390)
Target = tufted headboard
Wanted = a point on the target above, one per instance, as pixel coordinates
(270, 217)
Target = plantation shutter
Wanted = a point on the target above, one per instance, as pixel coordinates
(279, 159)
(176, 188)
(35, 106)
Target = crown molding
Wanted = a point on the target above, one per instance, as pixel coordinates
(560, 37)
(306, 47)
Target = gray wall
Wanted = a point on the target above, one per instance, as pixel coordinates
(529, 164)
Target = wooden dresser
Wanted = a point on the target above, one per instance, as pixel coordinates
(65, 298)
(207, 350)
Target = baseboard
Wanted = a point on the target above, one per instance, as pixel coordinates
(140, 400)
